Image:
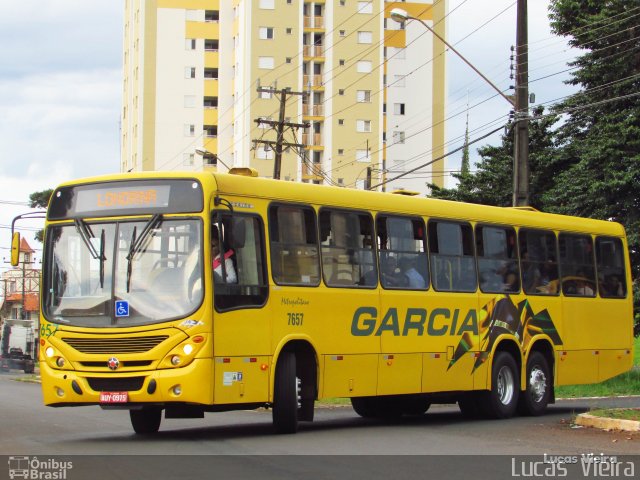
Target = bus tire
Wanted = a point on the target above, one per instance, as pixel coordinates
(146, 420)
(285, 395)
(502, 400)
(366, 407)
(414, 405)
(534, 400)
(469, 405)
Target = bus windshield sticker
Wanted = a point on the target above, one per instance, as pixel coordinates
(122, 308)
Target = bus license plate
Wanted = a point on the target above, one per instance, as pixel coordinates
(114, 397)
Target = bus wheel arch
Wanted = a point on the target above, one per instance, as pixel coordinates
(538, 380)
(295, 385)
(501, 400)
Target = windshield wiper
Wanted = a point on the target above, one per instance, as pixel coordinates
(86, 234)
(136, 243)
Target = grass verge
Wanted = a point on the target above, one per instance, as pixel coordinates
(618, 413)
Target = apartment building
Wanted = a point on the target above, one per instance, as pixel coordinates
(204, 82)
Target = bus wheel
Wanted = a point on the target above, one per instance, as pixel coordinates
(366, 407)
(501, 401)
(414, 405)
(146, 420)
(469, 406)
(285, 395)
(535, 398)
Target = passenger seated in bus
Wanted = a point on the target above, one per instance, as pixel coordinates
(612, 287)
(531, 277)
(391, 275)
(230, 270)
(510, 282)
(414, 279)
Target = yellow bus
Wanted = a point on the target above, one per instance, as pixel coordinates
(197, 292)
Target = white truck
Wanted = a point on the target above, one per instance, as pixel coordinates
(17, 348)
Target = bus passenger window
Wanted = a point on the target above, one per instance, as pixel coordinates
(403, 256)
(611, 273)
(244, 235)
(346, 241)
(538, 262)
(295, 258)
(497, 259)
(577, 265)
(453, 266)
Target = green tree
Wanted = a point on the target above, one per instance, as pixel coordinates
(40, 200)
(492, 183)
(599, 143)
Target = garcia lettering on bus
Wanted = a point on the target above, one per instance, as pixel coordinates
(441, 321)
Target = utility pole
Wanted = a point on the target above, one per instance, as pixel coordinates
(521, 127)
(279, 127)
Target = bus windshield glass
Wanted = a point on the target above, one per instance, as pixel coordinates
(123, 273)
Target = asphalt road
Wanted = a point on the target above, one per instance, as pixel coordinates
(337, 443)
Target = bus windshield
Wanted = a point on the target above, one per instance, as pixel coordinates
(123, 273)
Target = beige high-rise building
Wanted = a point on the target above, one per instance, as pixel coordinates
(198, 75)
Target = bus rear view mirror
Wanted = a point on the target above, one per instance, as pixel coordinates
(15, 249)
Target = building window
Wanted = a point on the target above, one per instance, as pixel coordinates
(343, 3)
(364, 66)
(264, 153)
(341, 121)
(342, 33)
(190, 72)
(211, 73)
(365, 37)
(212, 16)
(190, 44)
(189, 130)
(211, 45)
(341, 92)
(341, 62)
(398, 108)
(363, 96)
(266, 33)
(288, 60)
(362, 156)
(398, 137)
(340, 151)
(398, 80)
(266, 62)
(188, 159)
(363, 125)
(267, 4)
(365, 7)
(289, 31)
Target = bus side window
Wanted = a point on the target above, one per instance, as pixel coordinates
(294, 245)
(577, 265)
(538, 262)
(245, 236)
(453, 266)
(497, 259)
(346, 240)
(403, 257)
(612, 279)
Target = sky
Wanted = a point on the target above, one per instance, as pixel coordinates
(61, 83)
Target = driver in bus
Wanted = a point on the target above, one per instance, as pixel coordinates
(217, 261)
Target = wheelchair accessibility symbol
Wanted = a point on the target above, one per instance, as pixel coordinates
(122, 308)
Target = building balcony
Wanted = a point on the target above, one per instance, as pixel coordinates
(312, 110)
(313, 50)
(311, 171)
(210, 117)
(211, 88)
(313, 22)
(312, 139)
(313, 80)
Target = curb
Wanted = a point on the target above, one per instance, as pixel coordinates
(586, 420)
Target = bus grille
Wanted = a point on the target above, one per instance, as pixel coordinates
(115, 345)
(125, 384)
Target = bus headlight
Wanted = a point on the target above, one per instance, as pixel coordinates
(187, 349)
(50, 352)
(175, 360)
(183, 354)
(60, 362)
